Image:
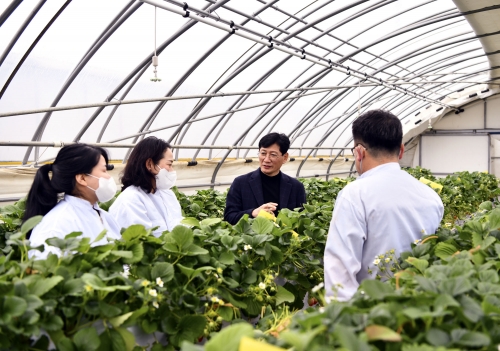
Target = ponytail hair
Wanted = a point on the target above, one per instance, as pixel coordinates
(70, 161)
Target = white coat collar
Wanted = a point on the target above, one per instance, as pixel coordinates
(80, 203)
(386, 167)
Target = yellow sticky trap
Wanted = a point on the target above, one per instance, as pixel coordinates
(433, 185)
(266, 215)
(249, 344)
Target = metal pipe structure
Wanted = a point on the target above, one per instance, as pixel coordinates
(402, 78)
(59, 144)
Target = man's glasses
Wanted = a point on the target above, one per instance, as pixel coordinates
(355, 146)
(273, 156)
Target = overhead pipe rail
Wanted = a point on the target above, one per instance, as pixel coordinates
(282, 46)
(116, 145)
(268, 91)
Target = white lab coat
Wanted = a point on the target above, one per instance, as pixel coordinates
(73, 214)
(135, 206)
(384, 209)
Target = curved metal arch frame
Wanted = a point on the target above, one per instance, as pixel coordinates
(398, 72)
(253, 59)
(240, 139)
(329, 132)
(271, 108)
(116, 23)
(345, 21)
(341, 82)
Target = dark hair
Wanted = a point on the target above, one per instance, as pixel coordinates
(135, 172)
(379, 131)
(71, 160)
(275, 138)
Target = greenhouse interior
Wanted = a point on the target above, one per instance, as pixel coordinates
(250, 175)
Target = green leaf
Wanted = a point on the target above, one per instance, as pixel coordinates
(149, 327)
(40, 286)
(33, 302)
(194, 250)
(376, 289)
(283, 295)
(182, 236)
(494, 219)
(118, 321)
(100, 236)
(187, 346)
(419, 264)
(471, 309)
(13, 306)
(65, 344)
(73, 235)
(226, 313)
(226, 258)
(210, 221)
(469, 338)
(349, 340)
(122, 253)
(52, 323)
(276, 256)
(379, 332)
(191, 221)
(301, 341)
(437, 337)
(427, 284)
(444, 250)
(128, 337)
(444, 301)
(261, 225)
(249, 277)
(486, 205)
(228, 339)
(97, 284)
(134, 232)
(163, 270)
(191, 273)
(73, 287)
(455, 286)
(108, 310)
(30, 224)
(188, 272)
(190, 328)
(137, 251)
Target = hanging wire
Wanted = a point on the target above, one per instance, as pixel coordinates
(359, 97)
(155, 57)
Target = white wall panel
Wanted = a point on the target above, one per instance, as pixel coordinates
(454, 153)
(471, 118)
(493, 112)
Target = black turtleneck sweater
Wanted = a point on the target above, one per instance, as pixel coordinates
(271, 189)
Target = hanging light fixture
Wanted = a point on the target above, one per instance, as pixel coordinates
(155, 58)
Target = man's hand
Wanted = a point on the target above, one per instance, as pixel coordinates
(269, 207)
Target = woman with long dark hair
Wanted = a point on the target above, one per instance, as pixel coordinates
(146, 197)
(79, 173)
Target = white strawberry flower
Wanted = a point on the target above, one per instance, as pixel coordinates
(159, 282)
(153, 292)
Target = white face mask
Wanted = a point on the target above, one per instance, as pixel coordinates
(165, 179)
(106, 190)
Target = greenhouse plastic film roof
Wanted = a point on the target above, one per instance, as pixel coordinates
(231, 71)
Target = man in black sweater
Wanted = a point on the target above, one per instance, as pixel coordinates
(267, 188)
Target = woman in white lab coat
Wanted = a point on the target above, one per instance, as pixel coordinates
(79, 172)
(146, 197)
